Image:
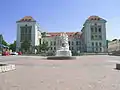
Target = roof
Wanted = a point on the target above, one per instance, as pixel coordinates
(70, 34)
(27, 19)
(95, 18)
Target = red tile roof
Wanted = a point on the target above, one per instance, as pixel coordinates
(70, 34)
(26, 19)
(94, 18)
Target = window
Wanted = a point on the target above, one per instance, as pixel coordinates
(92, 43)
(21, 37)
(96, 24)
(96, 49)
(99, 29)
(92, 37)
(95, 36)
(69, 42)
(100, 37)
(76, 42)
(72, 48)
(22, 30)
(54, 48)
(51, 48)
(40, 41)
(95, 29)
(25, 30)
(91, 29)
(29, 19)
(92, 49)
(51, 43)
(43, 42)
(29, 31)
(100, 44)
(54, 42)
(72, 43)
(96, 44)
(46, 42)
(29, 36)
(100, 49)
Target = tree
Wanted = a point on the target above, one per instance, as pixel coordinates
(43, 34)
(13, 46)
(42, 47)
(25, 45)
(114, 40)
(2, 41)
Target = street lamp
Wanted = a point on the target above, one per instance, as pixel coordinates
(0, 38)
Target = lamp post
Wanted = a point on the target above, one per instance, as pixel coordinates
(1, 42)
(0, 38)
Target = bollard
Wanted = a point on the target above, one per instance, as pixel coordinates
(118, 66)
(0, 69)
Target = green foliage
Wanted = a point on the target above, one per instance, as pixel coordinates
(13, 46)
(3, 41)
(42, 47)
(25, 45)
(114, 39)
(43, 34)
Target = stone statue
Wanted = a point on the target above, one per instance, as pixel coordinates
(64, 41)
(63, 46)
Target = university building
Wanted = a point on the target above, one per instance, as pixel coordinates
(92, 37)
(114, 45)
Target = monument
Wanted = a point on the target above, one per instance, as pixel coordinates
(62, 50)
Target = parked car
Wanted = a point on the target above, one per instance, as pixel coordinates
(14, 53)
(5, 53)
(19, 53)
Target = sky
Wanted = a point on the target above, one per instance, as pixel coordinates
(59, 15)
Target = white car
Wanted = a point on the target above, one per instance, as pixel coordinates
(14, 53)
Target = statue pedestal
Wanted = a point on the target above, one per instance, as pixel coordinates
(63, 53)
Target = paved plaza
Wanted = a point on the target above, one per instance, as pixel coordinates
(84, 73)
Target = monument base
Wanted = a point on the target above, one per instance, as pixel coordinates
(63, 53)
(61, 57)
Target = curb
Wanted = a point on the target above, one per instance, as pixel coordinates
(7, 67)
